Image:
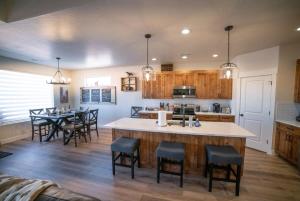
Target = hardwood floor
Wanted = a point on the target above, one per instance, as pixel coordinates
(87, 169)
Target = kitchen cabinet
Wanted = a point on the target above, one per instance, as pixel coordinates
(225, 88)
(146, 115)
(157, 89)
(184, 79)
(215, 118)
(210, 86)
(297, 83)
(167, 85)
(207, 83)
(287, 142)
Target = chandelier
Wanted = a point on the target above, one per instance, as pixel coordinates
(227, 69)
(148, 71)
(58, 78)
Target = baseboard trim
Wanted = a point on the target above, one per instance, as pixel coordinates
(13, 139)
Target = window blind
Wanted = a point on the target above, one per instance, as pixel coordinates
(20, 92)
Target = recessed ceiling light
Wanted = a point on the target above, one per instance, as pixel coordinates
(298, 29)
(154, 59)
(184, 57)
(185, 31)
(215, 55)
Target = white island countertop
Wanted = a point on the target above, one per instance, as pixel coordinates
(221, 129)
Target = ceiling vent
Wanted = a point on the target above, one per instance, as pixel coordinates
(166, 67)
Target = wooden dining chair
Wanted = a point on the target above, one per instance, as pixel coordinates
(51, 110)
(135, 111)
(38, 126)
(77, 128)
(92, 123)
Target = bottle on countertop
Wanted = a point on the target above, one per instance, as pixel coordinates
(197, 123)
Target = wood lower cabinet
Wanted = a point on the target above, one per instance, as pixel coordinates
(153, 116)
(216, 118)
(287, 142)
(207, 83)
(297, 83)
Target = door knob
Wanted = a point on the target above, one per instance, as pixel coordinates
(241, 115)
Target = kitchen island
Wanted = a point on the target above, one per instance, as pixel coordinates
(195, 138)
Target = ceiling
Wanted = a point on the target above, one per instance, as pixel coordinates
(103, 33)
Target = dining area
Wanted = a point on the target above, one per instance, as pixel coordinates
(66, 124)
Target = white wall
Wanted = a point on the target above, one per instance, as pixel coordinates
(285, 106)
(125, 100)
(254, 63)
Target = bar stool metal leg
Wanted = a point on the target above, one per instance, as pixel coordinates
(181, 173)
(132, 165)
(158, 169)
(113, 162)
(206, 166)
(238, 179)
(228, 172)
(138, 157)
(210, 167)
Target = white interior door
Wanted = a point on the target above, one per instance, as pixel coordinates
(255, 113)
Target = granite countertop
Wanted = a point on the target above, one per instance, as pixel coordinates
(221, 129)
(289, 122)
(197, 113)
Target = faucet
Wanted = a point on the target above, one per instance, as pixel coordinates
(183, 114)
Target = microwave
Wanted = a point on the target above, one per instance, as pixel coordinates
(184, 92)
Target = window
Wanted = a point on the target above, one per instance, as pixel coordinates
(98, 81)
(20, 92)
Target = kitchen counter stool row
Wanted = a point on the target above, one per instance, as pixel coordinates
(217, 157)
(76, 124)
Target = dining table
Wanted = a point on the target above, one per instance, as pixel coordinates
(56, 120)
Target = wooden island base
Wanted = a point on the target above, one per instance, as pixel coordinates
(194, 147)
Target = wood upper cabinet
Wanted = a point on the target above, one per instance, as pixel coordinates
(207, 83)
(287, 142)
(157, 89)
(147, 89)
(297, 83)
(168, 85)
(183, 79)
(225, 89)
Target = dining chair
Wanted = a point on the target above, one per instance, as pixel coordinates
(92, 123)
(135, 111)
(51, 110)
(77, 128)
(38, 126)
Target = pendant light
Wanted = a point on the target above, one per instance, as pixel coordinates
(228, 68)
(58, 78)
(148, 72)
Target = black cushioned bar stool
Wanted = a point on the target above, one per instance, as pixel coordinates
(126, 148)
(222, 157)
(170, 152)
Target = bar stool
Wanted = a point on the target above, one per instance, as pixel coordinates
(126, 148)
(222, 157)
(173, 153)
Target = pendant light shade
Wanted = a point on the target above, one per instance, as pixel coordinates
(228, 69)
(58, 78)
(148, 71)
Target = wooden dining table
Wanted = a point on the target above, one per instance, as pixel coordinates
(56, 120)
